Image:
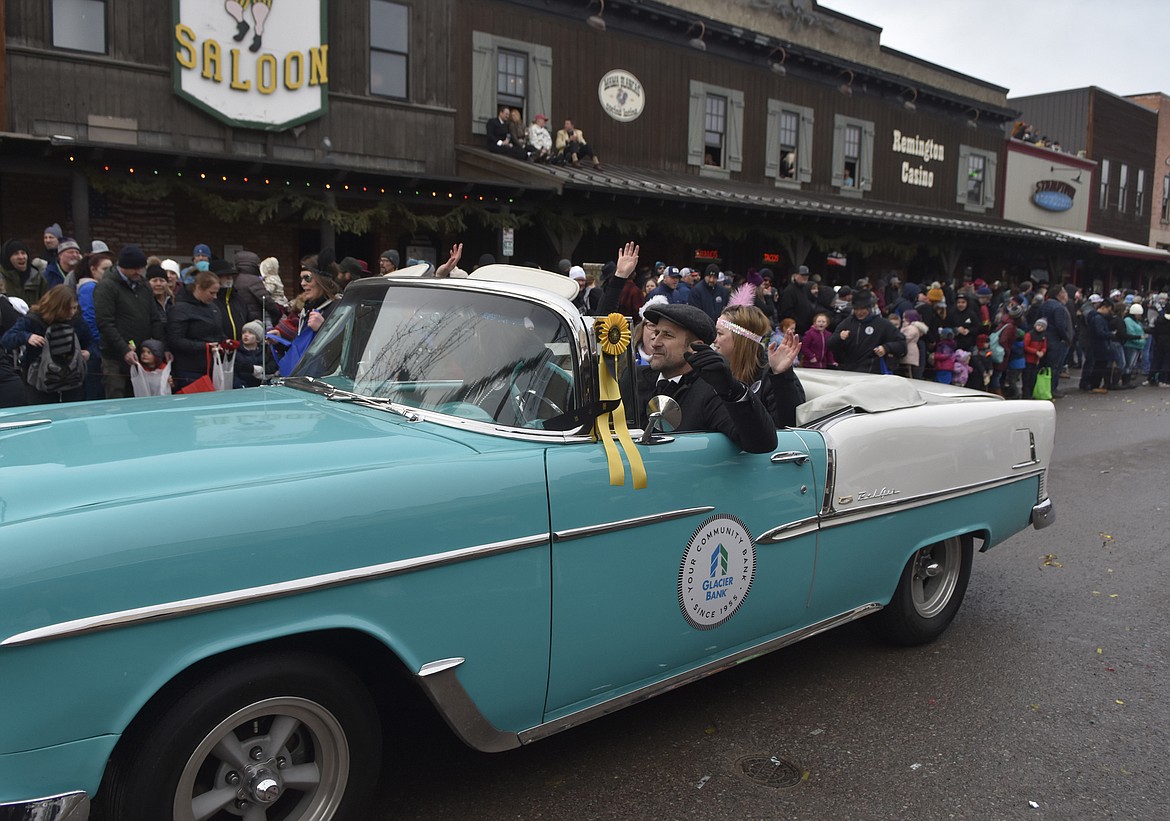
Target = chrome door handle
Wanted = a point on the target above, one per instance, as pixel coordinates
(794, 456)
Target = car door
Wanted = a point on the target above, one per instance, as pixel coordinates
(647, 583)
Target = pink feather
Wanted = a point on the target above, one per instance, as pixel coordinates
(744, 295)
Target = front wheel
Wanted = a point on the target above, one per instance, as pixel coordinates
(283, 737)
(928, 595)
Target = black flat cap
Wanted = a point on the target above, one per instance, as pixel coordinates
(689, 317)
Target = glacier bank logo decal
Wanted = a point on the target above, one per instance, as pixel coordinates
(716, 572)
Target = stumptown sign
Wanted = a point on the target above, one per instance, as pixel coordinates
(253, 63)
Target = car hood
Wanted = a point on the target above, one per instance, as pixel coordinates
(85, 454)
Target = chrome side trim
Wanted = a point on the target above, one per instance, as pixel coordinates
(676, 681)
(1035, 460)
(249, 595)
(70, 806)
(432, 667)
(626, 524)
(830, 481)
(32, 423)
(1043, 514)
(837, 518)
(462, 716)
(800, 527)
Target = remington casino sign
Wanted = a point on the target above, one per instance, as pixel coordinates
(253, 63)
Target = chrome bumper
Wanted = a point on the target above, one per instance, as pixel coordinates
(1043, 514)
(73, 806)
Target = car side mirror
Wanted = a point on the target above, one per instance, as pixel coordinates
(662, 414)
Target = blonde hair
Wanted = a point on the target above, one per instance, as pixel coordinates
(747, 357)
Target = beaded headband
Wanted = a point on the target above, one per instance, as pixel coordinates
(737, 329)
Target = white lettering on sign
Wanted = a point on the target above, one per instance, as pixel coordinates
(926, 151)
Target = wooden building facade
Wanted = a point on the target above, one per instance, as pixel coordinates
(774, 133)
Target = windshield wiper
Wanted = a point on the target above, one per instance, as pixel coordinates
(336, 394)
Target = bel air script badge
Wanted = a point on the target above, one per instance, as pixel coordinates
(867, 495)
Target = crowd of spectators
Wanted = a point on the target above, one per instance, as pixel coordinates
(100, 319)
(996, 337)
(131, 312)
(1025, 132)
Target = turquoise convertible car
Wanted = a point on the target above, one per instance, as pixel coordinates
(207, 601)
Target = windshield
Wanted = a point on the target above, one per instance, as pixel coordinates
(487, 357)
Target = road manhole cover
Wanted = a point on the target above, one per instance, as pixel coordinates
(771, 771)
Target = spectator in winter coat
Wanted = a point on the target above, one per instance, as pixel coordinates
(913, 330)
(862, 341)
(814, 345)
(258, 302)
(1035, 349)
(31, 332)
(195, 328)
(1135, 343)
(21, 279)
(231, 300)
(1101, 337)
(1160, 349)
(1060, 334)
(965, 320)
(12, 393)
(795, 302)
(124, 309)
(708, 294)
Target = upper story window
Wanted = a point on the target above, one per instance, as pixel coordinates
(788, 143)
(1140, 204)
(1164, 217)
(80, 25)
(389, 49)
(512, 73)
(1122, 188)
(852, 154)
(715, 130)
(975, 188)
(511, 77)
(1103, 195)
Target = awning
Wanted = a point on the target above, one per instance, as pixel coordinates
(643, 183)
(1115, 247)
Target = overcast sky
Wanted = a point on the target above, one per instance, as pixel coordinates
(1031, 46)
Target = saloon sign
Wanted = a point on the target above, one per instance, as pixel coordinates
(924, 152)
(253, 63)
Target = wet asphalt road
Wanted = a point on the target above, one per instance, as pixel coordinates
(1048, 698)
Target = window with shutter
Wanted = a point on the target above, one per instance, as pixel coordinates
(509, 72)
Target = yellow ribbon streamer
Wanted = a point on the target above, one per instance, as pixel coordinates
(613, 338)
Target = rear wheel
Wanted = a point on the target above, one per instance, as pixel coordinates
(283, 737)
(928, 595)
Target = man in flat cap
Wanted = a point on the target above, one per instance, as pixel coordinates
(683, 365)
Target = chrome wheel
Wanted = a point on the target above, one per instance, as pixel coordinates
(279, 759)
(935, 576)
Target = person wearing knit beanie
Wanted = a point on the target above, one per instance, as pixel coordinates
(935, 295)
(132, 258)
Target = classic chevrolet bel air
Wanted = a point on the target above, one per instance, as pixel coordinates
(207, 602)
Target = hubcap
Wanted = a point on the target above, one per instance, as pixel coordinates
(936, 575)
(286, 759)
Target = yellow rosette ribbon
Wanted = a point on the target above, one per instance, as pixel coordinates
(613, 338)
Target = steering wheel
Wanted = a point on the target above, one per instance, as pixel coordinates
(527, 404)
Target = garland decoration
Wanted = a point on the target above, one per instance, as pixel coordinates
(613, 339)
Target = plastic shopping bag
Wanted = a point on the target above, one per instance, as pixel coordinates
(223, 370)
(1043, 389)
(151, 383)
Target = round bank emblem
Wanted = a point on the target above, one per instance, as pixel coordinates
(621, 95)
(716, 572)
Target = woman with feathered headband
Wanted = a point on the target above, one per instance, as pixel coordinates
(766, 365)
